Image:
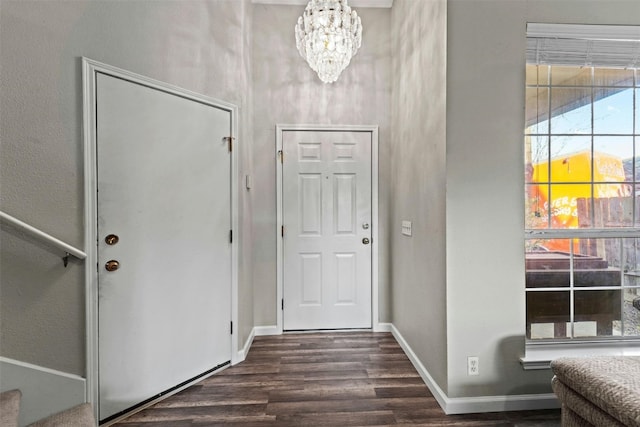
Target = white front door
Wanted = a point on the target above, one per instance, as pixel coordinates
(164, 220)
(326, 212)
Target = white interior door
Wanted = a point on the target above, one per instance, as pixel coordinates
(326, 210)
(163, 173)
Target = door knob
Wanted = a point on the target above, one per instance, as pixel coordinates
(111, 239)
(112, 265)
(365, 241)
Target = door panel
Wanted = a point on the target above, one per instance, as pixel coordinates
(310, 197)
(326, 204)
(344, 203)
(164, 190)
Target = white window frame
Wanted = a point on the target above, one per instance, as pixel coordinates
(604, 46)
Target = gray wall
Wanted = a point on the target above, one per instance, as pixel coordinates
(287, 91)
(192, 44)
(417, 187)
(485, 212)
(454, 289)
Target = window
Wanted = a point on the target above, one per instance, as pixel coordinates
(582, 183)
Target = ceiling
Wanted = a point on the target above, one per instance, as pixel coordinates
(352, 3)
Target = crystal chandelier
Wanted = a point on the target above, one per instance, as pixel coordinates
(328, 34)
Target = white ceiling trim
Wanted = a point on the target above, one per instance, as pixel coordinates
(352, 3)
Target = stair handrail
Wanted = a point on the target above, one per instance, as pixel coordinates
(47, 238)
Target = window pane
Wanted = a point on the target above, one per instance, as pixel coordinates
(570, 110)
(635, 164)
(637, 129)
(613, 111)
(610, 153)
(631, 261)
(596, 262)
(537, 75)
(537, 159)
(571, 210)
(608, 254)
(547, 263)
(631, 318)
(612, 212)
(582, 170)
(612, 77)
(547, 314)
(571, 158)
(595, 313)
(570, 76)
(536, 212)
(570, 205)
(537, 110)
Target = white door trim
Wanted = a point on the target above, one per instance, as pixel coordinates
(90, 68)
(280, 128)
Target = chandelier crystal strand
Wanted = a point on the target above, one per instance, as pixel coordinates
(328, 34)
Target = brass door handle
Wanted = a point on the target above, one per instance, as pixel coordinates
(112, 265)
(365, 241)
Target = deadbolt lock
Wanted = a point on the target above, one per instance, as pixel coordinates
(112, 265)
(111, 239)
(365, 241)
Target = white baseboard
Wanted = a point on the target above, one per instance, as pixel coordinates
(266, 330)
(469, 405)
(44, 391)
(435, 389)
(242, 353)
(383, 327)
(520, 402)
(257, 331)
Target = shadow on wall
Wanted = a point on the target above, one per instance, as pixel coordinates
(506, 366)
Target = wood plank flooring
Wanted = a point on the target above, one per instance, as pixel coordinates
(320, 379)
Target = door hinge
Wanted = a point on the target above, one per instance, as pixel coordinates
(230, 236)
(282, 304)
(281, 154)
(231, 331)
(282, 231)
(229, 140)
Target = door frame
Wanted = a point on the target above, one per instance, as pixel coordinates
(373, 129)
(90, 69)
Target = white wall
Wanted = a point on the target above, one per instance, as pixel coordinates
(484, 180)
(202, 46)
(287, 91)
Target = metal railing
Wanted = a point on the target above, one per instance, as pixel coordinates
(41, 235)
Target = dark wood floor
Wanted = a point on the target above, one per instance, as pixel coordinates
(330, 379)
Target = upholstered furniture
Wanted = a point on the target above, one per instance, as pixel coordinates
(598, 391)
(10, 408)
(78, 416)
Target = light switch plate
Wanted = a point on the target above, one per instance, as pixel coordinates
(406, 228)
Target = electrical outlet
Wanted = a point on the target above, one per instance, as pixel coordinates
(473, 365)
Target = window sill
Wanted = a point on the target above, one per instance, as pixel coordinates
(540, 355)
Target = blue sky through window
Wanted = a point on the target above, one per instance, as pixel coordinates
(612, 116)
